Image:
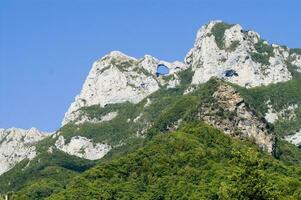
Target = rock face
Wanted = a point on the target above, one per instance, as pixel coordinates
(118, 78)
(296, 60)
(220, 47)
(295, 139)
(84, 118)
(16, 145)
(233, 116)
(288, 113)
(83, 147)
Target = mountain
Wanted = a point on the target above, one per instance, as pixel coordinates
(235, 97)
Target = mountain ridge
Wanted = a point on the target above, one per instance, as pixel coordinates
(209, 56)
(125, 102)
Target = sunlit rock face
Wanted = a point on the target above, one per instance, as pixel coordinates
(220, 47)
(117, 78)
(82, 147)
(17, 145)
(295, 138)
(296, 60)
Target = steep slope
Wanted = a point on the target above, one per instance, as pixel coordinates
(117, 78)
(280, 104)
(241, 57)
(231, 114)
(196, 162)
(16, 145)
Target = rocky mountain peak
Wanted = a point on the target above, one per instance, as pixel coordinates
(117, 78)
(119, 54)
(221, 49)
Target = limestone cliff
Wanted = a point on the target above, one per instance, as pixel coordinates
(221, 50)
(118, 78)
(295, 58)
(295, 138)
(16, 145)
(241, 57)
(82, 147)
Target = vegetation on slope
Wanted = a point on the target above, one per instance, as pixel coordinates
(288, 153)
(263, 52)
(233, 46)
(124, 126)
(280, 96)
(196, 162)
(218, 30)
(167, 107)
(43, 175)
(296, 51)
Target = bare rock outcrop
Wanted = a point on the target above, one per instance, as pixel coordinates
(229, 113)
(17, 145)
(117, 78)
(295, 138)
(241, 57)
(82, 147)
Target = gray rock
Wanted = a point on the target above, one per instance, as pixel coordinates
(208, 60)
(17, 145)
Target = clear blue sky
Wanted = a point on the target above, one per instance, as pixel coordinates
(47, 46)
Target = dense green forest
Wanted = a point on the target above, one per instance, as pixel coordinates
(195, 162)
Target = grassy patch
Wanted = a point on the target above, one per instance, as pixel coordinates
(263, 53)
(296, 51)
(260, 58)
(218, 30)
(262, 47)
(233, 46)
